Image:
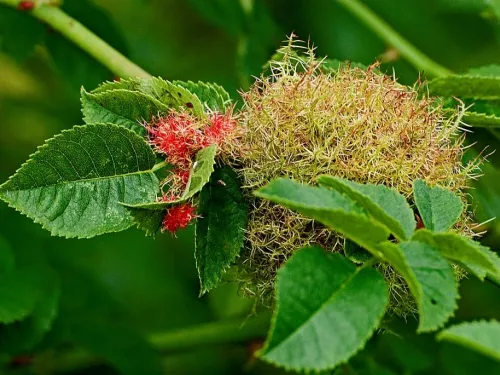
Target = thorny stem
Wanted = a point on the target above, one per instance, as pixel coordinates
(389, 35)
(53, 16)
(214, 333)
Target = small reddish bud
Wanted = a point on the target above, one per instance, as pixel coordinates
(420, 223)
(26, 6)
(178, 217)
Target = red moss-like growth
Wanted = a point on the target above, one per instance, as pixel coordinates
(26, 6)
(180, 135)
(178, 217)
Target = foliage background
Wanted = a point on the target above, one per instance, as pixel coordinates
(151, 285)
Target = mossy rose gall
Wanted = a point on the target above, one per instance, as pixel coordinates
(304, 120)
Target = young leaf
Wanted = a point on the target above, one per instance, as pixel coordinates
(169, 94)
(120, 107)
(330, 208)
(482, 337)
(462, 250)
(438, 286)
(203, 168)
(326, 310)
(73, 185)
(466, 86)
(210, 94)
(220, 231)
(481, 120)
(385, 204)
(438, 207)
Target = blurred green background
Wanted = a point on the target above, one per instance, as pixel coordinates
(150, 285)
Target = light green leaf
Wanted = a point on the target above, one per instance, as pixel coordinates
(169, 94)
(326, 310)
(481, 120)
(330, 208)
(210, 94)
(462, 250)
(482, 337)
(438, 291)
(203, 168)
(73, 185)
(439, 208)
(220, 230)
(384, 204)
(466, 86)
(121, 107)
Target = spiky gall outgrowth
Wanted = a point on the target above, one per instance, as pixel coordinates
(178, 217)
(302, 121)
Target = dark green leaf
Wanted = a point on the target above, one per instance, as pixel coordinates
(466, 86)
(326, 310)
(121, 107)
(73, 185)
(356, 253)
(146, 219)
(220, 231)
(23, 336)
(384, 204)
(439, 290)
(438, 207)
(226, 14)
(480, 336)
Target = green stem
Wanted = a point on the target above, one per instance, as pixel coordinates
(208, 334)
(159, 166)
(389, 35)
(53, 16)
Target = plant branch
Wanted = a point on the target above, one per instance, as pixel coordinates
(418, 59)
(53, 16)
(214, 333)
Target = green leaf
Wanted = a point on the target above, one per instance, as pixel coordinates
(73, 185)
(23, 336)
(220, 231)
(169, 94)
(438, 286)
(462, 250)
(384, 204)
(330, 208)
(210, 94)
(121, 107)
(438, 207)
(146, 219)
(356, 253)
(326, 310)
(482, 337)
(19, 293)
(466, 86)
(481, 120)
(492, 70)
